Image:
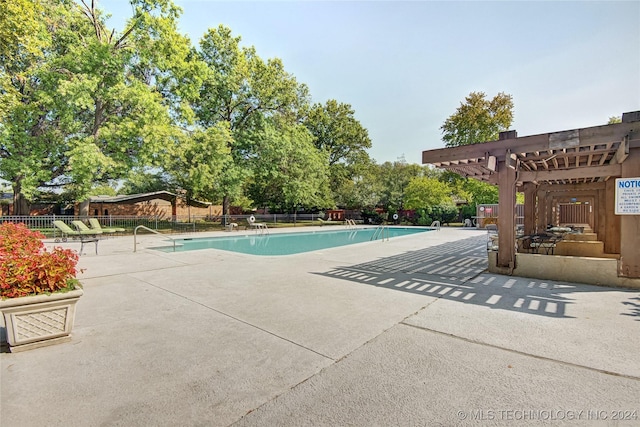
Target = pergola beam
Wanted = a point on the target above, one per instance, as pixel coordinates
(598, 135)
(575, 173)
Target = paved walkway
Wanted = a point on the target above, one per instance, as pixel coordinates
(412, 331)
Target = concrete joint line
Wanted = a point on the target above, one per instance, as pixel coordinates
(548, 359)
(238, 320)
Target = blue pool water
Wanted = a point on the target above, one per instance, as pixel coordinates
(288, 243)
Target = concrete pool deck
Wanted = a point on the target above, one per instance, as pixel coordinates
(411, 331)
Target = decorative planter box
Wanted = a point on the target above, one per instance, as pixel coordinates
(39, 320)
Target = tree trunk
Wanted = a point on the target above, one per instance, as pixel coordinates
(226, 203)
(20, 203)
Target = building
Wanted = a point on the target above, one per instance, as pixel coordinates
(161, 204)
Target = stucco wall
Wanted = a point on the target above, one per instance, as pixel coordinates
(593, 271)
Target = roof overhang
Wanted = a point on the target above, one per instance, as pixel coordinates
(134, 198)
(144, 197)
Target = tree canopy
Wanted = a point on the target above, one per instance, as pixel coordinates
(85, 109)
(478, 119)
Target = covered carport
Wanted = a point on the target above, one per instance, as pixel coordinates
(554, 169)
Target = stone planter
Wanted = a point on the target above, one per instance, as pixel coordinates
(39, 320)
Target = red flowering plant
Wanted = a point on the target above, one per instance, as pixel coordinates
(27, 268)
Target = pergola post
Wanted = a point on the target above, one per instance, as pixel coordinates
(629, 265)
(529, 207)
(541, 218)
(506, 212)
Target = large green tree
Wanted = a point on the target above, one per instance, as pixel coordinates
(23, 37)
(423, 192)
(478, 119)
(356, 186)
(96, 102)
(198, 163)
(288, 171)
(394, 178)
(32, 147)
(242, 90)
(337, 133)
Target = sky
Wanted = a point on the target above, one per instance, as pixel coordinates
(406, 66)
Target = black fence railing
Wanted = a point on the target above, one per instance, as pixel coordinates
(177, 224)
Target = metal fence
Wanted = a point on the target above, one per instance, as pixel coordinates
(178, 224)
(488, 214)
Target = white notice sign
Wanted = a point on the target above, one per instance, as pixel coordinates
(628, 196)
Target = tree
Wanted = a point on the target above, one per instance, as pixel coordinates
(96, 103)
(288, 171)
(198, 162)
(147, 180)
(478, 120)
(32, 149)
(242, 90)
(338, 134)
(394, 178)
(356, 186)
(614, 119)
(128, 93)
(23, 37)
(426, 192)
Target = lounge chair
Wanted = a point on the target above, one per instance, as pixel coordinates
(84, 236)
(95, 225)
(84, 230)
(68, 231)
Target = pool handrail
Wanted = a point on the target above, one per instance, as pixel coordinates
(379, 232)
(135, 233)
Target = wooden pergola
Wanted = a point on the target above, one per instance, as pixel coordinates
(553, 168)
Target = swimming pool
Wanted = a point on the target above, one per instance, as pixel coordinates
(288, 243)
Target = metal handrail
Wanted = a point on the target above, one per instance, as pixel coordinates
(380, 232)
(135, 233)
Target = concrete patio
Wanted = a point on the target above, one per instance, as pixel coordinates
(411, 331)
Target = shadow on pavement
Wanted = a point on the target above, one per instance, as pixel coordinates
(634, 307)
(456, 271)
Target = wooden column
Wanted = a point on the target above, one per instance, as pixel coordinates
(612, 230)
(506, 213)
(541, 221)
(529, 208)
(629, 265)
(600, 215)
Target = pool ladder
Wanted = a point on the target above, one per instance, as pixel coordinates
(380, 233)
(350, 223)
(135, 234)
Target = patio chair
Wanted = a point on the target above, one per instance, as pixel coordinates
(544, 242)
(84, 236)
(256, 225)
(492, 237)
(95, 225)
